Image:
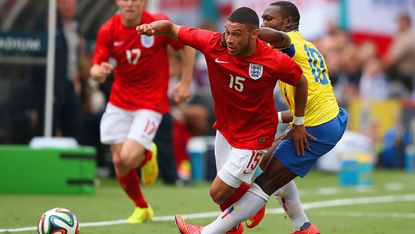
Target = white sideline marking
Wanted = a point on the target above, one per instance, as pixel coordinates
(328, 191)
(394, 186)
(307, 206)
(367, 214)
(361, 189)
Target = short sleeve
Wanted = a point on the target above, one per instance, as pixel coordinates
(102, 47)
(290, 51)
(196, 38)
(289, 71)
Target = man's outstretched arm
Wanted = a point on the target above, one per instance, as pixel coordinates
(159, 27)
(278, 39)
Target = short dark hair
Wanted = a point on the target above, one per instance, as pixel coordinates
(245, 15)
(289, 9)
(406, 17)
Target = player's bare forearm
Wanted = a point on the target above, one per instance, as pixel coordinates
(188, 58)
(159, 27)
(286, 116)
(270, 153)
(274, 37)
(99, 72)
(300, 96)
(182, 91)
(297, 130)
(95, 73)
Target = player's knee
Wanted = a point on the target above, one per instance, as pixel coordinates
(131, 156)
(116, 160)
(127, 159)
(217, 195)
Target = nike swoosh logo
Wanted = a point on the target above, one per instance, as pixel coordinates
(118, 43)
(220, 61)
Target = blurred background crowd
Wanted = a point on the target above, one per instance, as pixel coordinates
(369, 47)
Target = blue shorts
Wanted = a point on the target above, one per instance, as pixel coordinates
(327, 134)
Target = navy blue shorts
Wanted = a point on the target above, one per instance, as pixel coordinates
(327, 134)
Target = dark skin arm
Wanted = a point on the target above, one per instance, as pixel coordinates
(274, 37)
(298, 132)
(280, 40)
(286, 116)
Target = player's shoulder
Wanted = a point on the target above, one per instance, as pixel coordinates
(270, 56)
(297, 38)
(202, 33)
(111, 23)
(268, 50)
(160, 16)
(154, 16)
(216, 41)
(216, 35)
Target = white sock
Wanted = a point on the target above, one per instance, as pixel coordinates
(290, 201)
(249, 204)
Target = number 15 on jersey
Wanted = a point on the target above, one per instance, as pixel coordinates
(236, 83)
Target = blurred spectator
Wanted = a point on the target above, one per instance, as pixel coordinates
(352, 65)
(93, 99)
(189, 119)
(343, 62)
(69, 47)
(93, 103)
(395, 142)
(165, 142)
(400, 59)
(194, 117)
(349, 73)
(373, 84)
(201, 85)
(67, 107)
(165, 138)
(21, 118)
(367, 51)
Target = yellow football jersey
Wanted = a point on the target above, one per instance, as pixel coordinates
(321, 103)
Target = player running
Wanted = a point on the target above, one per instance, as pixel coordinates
(323, 119)
(242, 76)
(138, 96)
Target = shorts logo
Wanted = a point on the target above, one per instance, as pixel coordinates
(147, 41)
(118, 43)
(255, 71)
(262, 140)
(246, 172)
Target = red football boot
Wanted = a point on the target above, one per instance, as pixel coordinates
(186, 228)
(307, 228)
(256, 219)
(236, 230)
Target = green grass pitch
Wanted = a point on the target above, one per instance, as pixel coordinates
(386, 207)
